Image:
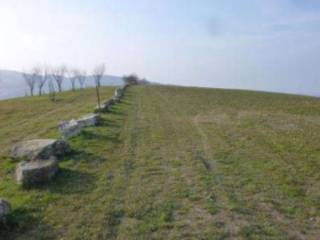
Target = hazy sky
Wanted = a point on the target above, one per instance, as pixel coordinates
(255, 44)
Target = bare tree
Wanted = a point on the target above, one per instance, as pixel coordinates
(52, 91)
(73, 78)
(58, 75)
(31, 79)
(98, 73)
(42, 78)
(80, 76)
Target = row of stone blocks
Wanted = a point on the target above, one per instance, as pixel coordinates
(106, 106)
(40, 163)
(74, 127)
(40, 157)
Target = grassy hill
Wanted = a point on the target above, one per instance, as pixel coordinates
(171, 163)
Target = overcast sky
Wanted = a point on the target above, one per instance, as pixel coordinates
(251, 44)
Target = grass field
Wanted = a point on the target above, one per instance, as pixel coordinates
(171, 163)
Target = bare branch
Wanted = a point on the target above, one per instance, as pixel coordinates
(80, 76)
(43, 74)
(82, 79)
(52, 91)
(58, 75)
(98, 73)
(32, 78)
(72, 75)
(30, 81)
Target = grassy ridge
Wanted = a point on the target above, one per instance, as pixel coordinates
(182, 163)
(33, 117)
(29, 118)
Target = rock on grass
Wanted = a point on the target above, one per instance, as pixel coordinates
(40, 149)
(35, 172)
(5, 208)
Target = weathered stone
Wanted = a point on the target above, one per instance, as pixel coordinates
(118, 92)
(105, 107)
(40, 149)
(88, 120)
(108, 105)
(5, 208)
(99, 109)
(28, 173)
(110, 102)
(74, 127)
(70, 129)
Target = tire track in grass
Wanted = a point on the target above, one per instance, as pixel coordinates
(205, 144)
(196, 220)
(137, 193)
(275, 217)
(142, 197)
(121, 168)
(210, 207)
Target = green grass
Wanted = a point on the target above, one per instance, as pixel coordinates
(171, 163)
(32, 117)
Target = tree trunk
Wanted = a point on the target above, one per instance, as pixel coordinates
(98, 96)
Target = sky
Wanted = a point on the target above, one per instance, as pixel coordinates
(271, 45)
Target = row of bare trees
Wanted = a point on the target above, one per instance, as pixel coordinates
(38, 76)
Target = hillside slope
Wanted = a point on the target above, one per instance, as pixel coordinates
(179, 163)
(32, 117)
